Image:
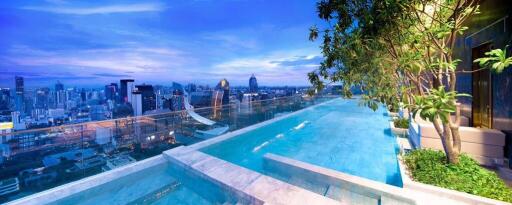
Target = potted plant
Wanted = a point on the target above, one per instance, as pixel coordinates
(393, 110)
(399, 126)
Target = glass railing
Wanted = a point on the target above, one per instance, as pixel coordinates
(35, 160)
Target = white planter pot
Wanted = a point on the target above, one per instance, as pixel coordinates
(398, 131)
(393, 114)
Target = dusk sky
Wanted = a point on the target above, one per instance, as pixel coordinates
(92, 43)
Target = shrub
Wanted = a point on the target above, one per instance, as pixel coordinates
(393, 108)
(401, 123)
(430, 167)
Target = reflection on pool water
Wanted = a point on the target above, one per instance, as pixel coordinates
(160, 184)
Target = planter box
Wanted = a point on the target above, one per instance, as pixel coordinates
(484, 145)
(393, 114)
(398, 131)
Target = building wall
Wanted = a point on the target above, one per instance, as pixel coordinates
(494, 25)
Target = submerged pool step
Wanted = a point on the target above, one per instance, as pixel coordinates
(156, 194)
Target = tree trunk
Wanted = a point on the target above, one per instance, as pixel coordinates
(450, 139)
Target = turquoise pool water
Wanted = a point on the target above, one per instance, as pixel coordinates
(160, 184)
(339, 135)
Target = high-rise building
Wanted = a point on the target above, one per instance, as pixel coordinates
(20, 94)
(42, 95)
(223, 86)
(253, 84)
(60, 95)
(191, 88)
(217, 96)
(83, 96)
(136, 102)
(59, 86)
(176, 102)
(201, 98)
(16, 120)
(111, 92)
(126, 90)
(148, 97)
(5, 99)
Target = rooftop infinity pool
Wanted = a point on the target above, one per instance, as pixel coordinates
(338, 135)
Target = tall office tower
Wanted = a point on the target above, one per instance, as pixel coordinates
(177, 89)
(20, 94)
(253, 84)
(83, 96)
(60, 95)
(136, 102)
(177, 102)
(59, 86)
(191, 88)
(126, 90)
(217, 96)
(5, 99)
(111, 92)
(223, 86)
(148, 97)
(42, 95)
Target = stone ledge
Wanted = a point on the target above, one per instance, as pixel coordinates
(243, 182)
(359, 185)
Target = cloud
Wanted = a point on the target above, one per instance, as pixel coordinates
(288, 67)
(125, 59)
(127, 8)
(111, 75)
(19, 73)
(301, 61)
(231, 41)
(271, 63)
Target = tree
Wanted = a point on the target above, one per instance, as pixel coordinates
(397, 52)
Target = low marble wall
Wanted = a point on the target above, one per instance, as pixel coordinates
(384, 193)
(246, 184)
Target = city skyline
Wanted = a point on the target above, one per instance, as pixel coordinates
(156, 42)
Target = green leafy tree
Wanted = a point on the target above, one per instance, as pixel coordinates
(496, 60)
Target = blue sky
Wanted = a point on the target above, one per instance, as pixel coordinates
(86, 43)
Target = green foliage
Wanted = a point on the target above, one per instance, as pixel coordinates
(430, 167)
(438, 103)
(496, 60)
(401, 123)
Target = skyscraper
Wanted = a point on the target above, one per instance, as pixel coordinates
(126, 90)
(148, 97)
(5, 99)
(42, 95)
(111, 92)
(59, 86)
(60, 95)
(223, 87)
(253, 84)
(136, 102)
(20, 94)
